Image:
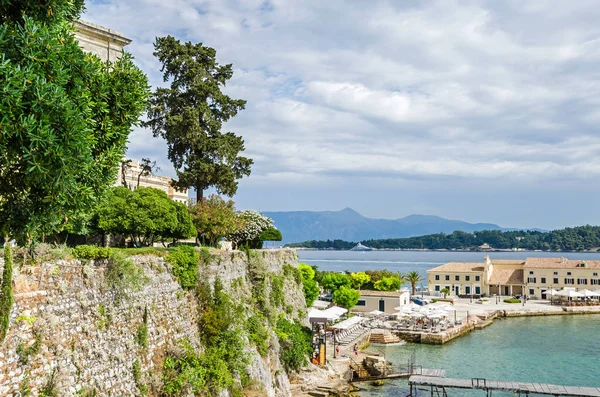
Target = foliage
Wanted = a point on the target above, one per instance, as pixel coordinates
(136, 371)
(569, 239)
(311, 290)
(359, 279)
(333, 281)
(294, 272)
(25, 389)
(388, 284)
(323, 245)
(257, 333)
(145, 214)
(91, 252)
(377, 275)
(141, 335)
(184, 266)
(123, 275)
(215, 218)
(190, 113)
(254, 224)
(512, 300)
(270, 234)
(50, 388)
(296, 344)
(413, 278)
(276, 294)
(6, 292)
(25, 353)
(445, 291)
(66, 117)
(346, 297)
(213, 370)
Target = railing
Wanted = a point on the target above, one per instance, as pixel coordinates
(359, 370)
(478, 383)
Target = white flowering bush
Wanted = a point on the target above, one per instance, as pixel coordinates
(254, 224)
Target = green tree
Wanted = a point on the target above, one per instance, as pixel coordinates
(145, 215)
(445, 291)
(311, 290)
(333, 281)
(190, 113)
(388, 284)
(254, 225)
(66, 116)
(215, 218)
(359, 279)
(413, 278)
(346, 297)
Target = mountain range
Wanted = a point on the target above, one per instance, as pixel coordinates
(349, 225)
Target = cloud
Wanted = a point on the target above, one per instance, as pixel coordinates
(437, 90)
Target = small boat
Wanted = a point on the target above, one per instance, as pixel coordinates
(360, 247)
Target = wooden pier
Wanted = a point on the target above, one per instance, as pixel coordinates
(437, 386)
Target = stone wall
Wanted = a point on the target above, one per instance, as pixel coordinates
(68, 327)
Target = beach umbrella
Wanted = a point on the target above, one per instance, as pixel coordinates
(569, 293)
(415, 314)
(588, 293)
(375, 313)
(551, 292)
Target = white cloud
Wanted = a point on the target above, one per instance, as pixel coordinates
(442, 89)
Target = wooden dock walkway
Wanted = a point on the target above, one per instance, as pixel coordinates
(439, 384)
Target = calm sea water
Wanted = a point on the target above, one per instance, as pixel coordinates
(561, 350)
(421, 261)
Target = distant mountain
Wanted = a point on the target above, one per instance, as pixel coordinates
(349, 225)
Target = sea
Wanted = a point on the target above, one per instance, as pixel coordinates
(560, 350)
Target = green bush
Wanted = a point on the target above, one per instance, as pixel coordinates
(296, 344)
(512, 300)
(184, 261)
(122, 275)
(6, 292)
(258, 333)
(277, 297)
(89, 252)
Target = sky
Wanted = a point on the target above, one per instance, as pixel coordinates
(483, 111)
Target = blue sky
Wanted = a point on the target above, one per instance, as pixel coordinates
(484, 111)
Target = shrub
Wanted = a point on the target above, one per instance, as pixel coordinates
(512, 300)
(258, 333)
(91, 252)
(311, 290)
(184, 261)
(122, 274)
(296, 344)
(346, 297)
(277, 297)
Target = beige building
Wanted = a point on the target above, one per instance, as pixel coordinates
(385, 301)
(513, 277)
(134, 171)
(106, 43)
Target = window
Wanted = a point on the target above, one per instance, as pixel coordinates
(595, 274)
(556, 273)
(543, 280)
(477, 278)
(594, 281)
(467, 278)
(456, 278)
(437, 287)
(555, 280)
(447, 277)
(530, 272)
(477, 290)
(531, 291)
(361, 303)
(447, 287)
(581, 281)
(568, 273)
(531, 280)
(569, 281)
(437, 277)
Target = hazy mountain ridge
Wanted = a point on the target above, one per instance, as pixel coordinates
(349, 225)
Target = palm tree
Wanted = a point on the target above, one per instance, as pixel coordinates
(413, 278)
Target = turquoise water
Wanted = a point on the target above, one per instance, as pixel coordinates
(561, 350)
